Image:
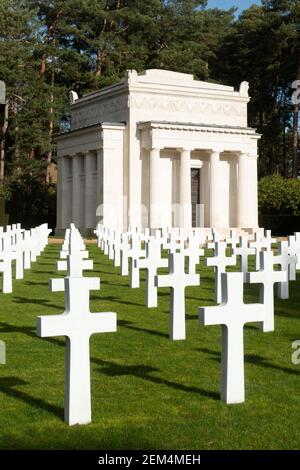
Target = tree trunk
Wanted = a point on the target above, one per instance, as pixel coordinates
(295, 140)
(16, 134)
(3, 142)
(51, 127)
(295, 131)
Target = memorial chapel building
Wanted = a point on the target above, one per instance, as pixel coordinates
(158, 149)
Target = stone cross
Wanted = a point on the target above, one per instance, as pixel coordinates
(243, 251)
(260, 243)
(294, 250)
(177, 280)
(117, 250)
(75, 263)
(98, 232)
(77, 323)
(135, 253)
(201, 236)
(173, 243)
(6, 264)
(27, 250)
(220, 261)
(104, 236)
(216, 237)
(111, 244)
(151, 263)
(193, 253)
(35, 249)
(297, 241)
(125, 250)
(233, 238)
(284, 260)
(106, 240)
(267, 277)
(145, 237)
(232, 314)
(18, 254)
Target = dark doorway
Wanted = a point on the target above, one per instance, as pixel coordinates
(195, 185)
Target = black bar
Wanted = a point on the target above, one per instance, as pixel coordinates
(133, 459)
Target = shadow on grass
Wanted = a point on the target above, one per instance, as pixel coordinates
(34, 283)
(112, 298)
(7, 386)
(42, 302)
(116, 285)
(253, 359)
(27, 330)
(51, 273)
(129, 325)
(49, 264)
(143, 372)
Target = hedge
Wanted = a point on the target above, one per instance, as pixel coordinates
(279, 196)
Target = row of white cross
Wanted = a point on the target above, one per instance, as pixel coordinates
(78, 324)
(21, 247)
(232, 313)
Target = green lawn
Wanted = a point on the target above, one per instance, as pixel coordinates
(147, 391)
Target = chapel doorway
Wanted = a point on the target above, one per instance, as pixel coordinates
(195, 186)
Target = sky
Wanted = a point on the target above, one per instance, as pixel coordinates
(225, 4)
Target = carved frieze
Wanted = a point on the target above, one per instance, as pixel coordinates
(99, 111)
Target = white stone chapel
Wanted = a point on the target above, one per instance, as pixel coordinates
(159, 149)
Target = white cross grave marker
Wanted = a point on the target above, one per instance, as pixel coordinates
(267, 277)
(216, 237)
(232, 314)
(5, 264)
(125, 250)
(284, 259)
(177, 280)
(220, 261)
(77, 323)
(151, 263)
(260, 243)
(75, 263)
(193, 253)
(135, 253)
(243, 251)
(173, 243)
(233, 238)
(294, 250)
(297, 241)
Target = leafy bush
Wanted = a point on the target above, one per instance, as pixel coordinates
(279, 196)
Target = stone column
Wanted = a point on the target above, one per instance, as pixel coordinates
(90, 190)
(154, 205)
(77, 191)
(59, 196)
(99, 188)
(185, 189)
(254, 198)
(243, 194)
(214, 190)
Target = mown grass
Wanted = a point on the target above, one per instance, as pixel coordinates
(147, 391)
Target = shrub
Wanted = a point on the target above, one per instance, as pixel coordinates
(279, 196)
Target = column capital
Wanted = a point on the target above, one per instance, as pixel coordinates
(242, 154)
(89, 153)
(215, 155)
(185, 149)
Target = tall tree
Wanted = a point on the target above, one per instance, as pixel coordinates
(260, 48)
